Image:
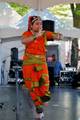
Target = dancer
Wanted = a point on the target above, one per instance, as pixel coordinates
(35, 71)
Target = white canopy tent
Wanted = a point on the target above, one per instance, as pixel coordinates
(65, 29)
(8, 16)
(21, 26)
(45, 15)
(7, 33)
(41, 4)
(8, 19)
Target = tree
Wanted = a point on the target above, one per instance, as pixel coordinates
(62, 11)
(75, 8)
(20, 9)
(74, 52)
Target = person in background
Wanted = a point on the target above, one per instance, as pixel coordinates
(51, 75)
(57, 68)
(35, 71)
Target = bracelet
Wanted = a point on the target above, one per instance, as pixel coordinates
(34, 37)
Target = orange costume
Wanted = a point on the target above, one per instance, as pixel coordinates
(35, 71)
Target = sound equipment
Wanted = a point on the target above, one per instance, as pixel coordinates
(48, 25)
(15, 62)
(14, 54)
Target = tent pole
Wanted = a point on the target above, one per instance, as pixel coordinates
(17, 92)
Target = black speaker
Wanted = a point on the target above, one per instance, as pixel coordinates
(48, 25)
(14, 54)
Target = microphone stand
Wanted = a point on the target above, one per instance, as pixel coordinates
(17, 91)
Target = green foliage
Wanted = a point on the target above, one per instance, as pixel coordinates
(75, 8)
(61, 10)
(77, 12)
(20, 9)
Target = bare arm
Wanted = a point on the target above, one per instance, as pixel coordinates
(26, 40)
(53, 35)
(57, 36)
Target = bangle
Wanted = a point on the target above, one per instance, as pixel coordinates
(34, 37)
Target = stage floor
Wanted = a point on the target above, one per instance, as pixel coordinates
(64, 105)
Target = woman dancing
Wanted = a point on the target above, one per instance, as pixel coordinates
(35, 71)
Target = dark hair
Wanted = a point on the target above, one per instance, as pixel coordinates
(31, 21)
(34, 18)
(53, 55)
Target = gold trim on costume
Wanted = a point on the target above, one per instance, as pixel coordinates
(35, 19)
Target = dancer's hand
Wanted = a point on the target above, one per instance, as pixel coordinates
(41, 33)
(58, 36)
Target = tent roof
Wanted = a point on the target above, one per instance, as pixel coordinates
(21, 26)
(8, 16)
(45, 15)
(41, 4)
(11, 32)
(65, 29)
